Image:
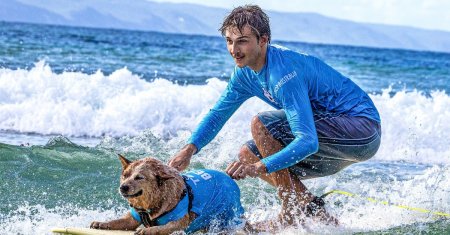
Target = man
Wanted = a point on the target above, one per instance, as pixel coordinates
(324, 122)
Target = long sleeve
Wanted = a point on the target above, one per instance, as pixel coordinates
(298, 110)
(230, 100)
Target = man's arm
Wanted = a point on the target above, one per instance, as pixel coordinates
(230, 100)
(300, 116)
(183, 158)
(299, 113)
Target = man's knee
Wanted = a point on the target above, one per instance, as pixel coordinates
(257, 126)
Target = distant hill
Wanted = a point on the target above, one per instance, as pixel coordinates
(197, 19)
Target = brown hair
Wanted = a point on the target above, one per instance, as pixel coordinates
(251, 15)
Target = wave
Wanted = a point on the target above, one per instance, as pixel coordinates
(76, 104)
(356, 214)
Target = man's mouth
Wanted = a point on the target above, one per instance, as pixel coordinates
(239, 57)
(139, 193)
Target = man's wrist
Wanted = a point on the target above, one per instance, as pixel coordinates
(190, 148)
(260, 168)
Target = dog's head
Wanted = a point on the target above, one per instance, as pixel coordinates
(149, 184)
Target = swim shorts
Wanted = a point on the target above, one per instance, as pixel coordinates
(343, 140)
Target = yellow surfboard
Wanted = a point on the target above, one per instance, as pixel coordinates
(89, 231)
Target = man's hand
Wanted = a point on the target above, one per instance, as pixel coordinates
(238, 170)
(182, 159)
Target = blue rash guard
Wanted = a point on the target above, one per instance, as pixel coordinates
(216, 197)
(301, 85)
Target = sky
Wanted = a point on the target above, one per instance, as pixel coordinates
(427, 14)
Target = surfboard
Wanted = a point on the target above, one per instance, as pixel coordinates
(89, 231)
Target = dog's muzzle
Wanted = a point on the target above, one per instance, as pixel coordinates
(124, 191)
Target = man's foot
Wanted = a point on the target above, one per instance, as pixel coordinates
(287, 218)
(268, 226)
(316, 210)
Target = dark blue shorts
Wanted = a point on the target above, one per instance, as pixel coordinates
(343, 140)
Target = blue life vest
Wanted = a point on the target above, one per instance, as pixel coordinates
(211, 195)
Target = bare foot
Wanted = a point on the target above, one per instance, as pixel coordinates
(270, 226)
(316, 210)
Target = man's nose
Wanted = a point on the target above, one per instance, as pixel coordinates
(233, 49)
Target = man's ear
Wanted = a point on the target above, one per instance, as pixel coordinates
(263, 40)
(125, 162)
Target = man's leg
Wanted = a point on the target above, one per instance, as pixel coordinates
(343, 140)
(291, 191)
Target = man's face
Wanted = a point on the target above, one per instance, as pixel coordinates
(245, 48)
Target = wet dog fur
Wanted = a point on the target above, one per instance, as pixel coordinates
(149, 184)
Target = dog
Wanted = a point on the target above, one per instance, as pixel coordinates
(165, 201)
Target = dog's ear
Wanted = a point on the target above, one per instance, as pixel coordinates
(125, 162)
(163, 174)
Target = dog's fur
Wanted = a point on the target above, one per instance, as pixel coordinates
(149, 184)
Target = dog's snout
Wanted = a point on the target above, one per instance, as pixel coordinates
(124, 188)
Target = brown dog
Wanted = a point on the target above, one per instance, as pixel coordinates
(165, 201)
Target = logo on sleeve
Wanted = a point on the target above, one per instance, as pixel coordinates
(269, 96)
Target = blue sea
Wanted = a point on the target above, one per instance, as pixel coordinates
(72, 98)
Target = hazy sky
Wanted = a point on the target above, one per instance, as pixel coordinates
(429, 14)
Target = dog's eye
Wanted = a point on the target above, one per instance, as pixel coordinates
(139, 177)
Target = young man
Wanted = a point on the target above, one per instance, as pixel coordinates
(324, 122)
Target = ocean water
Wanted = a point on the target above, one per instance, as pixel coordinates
(71, 99)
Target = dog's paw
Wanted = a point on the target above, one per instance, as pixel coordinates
(147, 231)
(140, 231)
(99, 225)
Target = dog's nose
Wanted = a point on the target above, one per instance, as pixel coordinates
(124, 188)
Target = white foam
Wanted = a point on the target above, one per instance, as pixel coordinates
(427, 190)
(415, 126)
(408, 198)
(37, 219)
